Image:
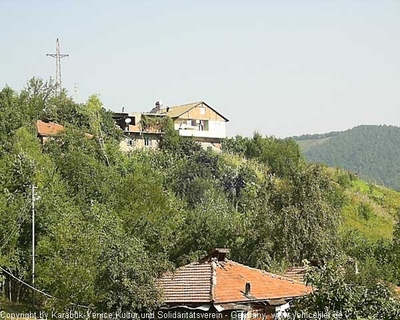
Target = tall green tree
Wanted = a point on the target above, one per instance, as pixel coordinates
(337, 297)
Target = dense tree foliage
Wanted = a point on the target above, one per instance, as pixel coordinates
(339, 295)
(281, 156)
(108, 224)
(370, 151)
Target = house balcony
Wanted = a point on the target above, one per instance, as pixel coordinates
(201, 133)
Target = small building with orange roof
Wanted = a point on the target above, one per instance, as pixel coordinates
(223, 288)
(45, 130)
(48, 129)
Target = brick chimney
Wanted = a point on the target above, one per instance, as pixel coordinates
(219, 253)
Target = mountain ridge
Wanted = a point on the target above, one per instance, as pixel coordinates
(372, 151)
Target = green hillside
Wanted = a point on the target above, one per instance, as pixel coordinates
(370, 209)
(109, 223)
(373, 152)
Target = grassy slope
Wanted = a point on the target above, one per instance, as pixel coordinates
(370, 209)
(306, 145)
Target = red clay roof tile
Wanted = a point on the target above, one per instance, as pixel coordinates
(190, 283)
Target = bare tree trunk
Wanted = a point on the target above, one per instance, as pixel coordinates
(9, 289)
(18, 292)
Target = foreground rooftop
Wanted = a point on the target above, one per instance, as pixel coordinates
(216, 279)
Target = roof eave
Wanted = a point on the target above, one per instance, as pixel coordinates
(261, 299)
(226, 119)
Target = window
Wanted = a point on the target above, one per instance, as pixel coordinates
(202, 110)
(147, 142)
(204, 125)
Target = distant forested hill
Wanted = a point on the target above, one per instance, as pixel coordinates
(371, 151)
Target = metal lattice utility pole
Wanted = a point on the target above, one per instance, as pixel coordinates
(58, 57)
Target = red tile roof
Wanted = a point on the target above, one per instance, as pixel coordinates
(48, 128)
(210, 280)
(191, 283)
(232, 278)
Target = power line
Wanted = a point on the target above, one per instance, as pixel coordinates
(37, 290)
(17, 226)
(28, 285)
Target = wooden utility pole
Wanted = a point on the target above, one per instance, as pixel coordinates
(33, 242)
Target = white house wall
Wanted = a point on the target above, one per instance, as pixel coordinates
(216, 129)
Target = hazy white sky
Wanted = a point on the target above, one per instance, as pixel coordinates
(279, 67)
